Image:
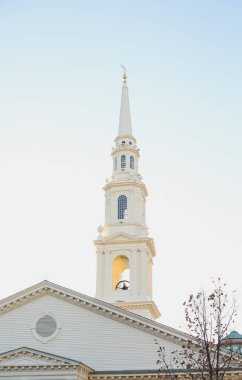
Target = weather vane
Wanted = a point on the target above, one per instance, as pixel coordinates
(123, 67)
(125, 72)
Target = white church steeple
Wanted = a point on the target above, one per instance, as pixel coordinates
(125, 128)
(124, 250)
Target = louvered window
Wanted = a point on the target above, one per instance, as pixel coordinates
(122, 207)
(131, 162)
(123, 161)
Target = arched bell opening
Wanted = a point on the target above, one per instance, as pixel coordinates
(121, 273)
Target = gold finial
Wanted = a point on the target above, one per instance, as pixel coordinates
(125, 76)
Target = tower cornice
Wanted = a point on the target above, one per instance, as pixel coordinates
(127, 239)
(139, 307)
(125, 148)
(125, 137)
(120, 183)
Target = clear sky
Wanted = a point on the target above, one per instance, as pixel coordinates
(60, 88)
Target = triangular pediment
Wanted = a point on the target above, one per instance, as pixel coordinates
(27, 357)
(121, 237)
(91, 304)
(124, 237)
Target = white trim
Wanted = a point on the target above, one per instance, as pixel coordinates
(48, 338)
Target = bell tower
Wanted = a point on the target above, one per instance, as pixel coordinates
(125, 252)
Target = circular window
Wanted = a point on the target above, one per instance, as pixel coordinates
(45, 327)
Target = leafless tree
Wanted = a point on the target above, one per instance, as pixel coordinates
(209, 318)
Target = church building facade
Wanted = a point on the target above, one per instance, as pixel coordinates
(48, 332)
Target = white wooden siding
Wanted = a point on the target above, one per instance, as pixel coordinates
(95, 340)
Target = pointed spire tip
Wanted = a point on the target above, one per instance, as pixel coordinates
(125, 128)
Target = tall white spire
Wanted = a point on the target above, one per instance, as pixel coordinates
(125, 128)
(124, 249)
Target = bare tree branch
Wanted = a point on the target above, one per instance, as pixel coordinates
(209, 318)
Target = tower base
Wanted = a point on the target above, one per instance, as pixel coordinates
(147, 309)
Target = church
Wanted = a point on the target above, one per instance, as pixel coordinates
(48, 332)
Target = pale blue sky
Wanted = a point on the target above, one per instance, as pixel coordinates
(60, 87)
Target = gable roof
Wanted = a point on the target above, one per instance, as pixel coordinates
(233, 335)
(28, 357)
(94, 305)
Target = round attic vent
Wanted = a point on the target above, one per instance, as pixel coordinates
(45, 327)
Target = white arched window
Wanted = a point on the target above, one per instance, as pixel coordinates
(123, 161)
(122, 207)
(131, 162)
